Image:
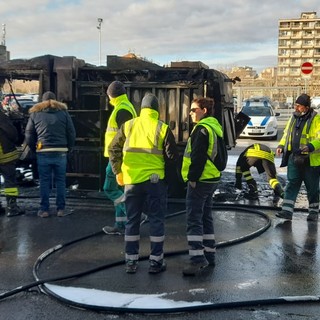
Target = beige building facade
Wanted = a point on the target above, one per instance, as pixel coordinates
(299, 42)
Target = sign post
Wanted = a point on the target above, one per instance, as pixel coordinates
(306, 69)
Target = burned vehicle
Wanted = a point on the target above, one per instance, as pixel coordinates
(82, 87)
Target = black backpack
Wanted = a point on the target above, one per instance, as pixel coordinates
(221, 159)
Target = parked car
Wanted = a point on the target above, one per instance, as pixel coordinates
(315, 102)
(263, 122)
(26, 105)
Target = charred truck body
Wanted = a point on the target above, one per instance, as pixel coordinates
(82, 87)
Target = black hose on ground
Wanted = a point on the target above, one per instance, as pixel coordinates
(168, 254)
(202, 307)
(40, 282)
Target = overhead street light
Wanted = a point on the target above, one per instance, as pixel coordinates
(100, 20)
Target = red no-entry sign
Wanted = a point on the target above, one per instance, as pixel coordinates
(306, 67)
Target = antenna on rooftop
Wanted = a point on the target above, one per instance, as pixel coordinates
(3, 41)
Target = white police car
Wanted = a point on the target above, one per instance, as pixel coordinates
(263, 122)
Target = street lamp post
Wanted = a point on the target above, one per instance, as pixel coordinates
(100, 20)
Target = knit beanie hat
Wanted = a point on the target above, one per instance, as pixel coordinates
(304, 100)
(116, 89)
(49, 95)
(150, 101)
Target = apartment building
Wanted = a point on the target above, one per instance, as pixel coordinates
(299, 42)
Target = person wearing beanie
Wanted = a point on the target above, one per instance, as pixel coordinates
(150, 101)
(299, 147)
(116, 89)
(49, 95)
(50, 133)
(139, 155)
(123, 110)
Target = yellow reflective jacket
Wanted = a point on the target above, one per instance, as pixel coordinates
(312, 137)
(120, 103)
(143, 147)
(210, 172)
(257, 152)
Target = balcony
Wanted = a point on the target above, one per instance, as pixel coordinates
(296, 26)
(308, 36)
(295, 54)
(284, 46)
(285, 25)
(309, 26)
(308, 45)
(307, 55)
(284, 36)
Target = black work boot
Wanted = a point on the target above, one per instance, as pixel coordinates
(2, 209)
(253, 191)
(12, 207)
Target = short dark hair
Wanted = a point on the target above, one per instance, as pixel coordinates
(207, 103)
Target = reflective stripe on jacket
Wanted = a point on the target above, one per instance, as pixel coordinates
(120, 103)
(143, 148)
(9, 156)
(256, 152)
(313, 137)
(210, 171)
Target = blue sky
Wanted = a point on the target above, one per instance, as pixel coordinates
(220, 33)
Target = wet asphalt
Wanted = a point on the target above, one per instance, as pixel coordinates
(260, 259)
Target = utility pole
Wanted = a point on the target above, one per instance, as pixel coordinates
(3, 41)
(100, 20)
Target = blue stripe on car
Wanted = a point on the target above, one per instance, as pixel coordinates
(264, 121)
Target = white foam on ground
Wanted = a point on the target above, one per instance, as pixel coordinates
(103, 298)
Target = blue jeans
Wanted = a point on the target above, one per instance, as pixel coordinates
(52, 167)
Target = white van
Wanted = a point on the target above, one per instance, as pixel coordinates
(263, 122)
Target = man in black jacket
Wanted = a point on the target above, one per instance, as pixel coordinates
(8, 158)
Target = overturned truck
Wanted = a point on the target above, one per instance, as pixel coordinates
(82, 87)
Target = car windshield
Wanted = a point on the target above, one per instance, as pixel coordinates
(252, 111)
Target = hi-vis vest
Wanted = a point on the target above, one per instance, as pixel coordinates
(310, 134)
(210, 171)
(256, 152)
(143, 148)
(119, 103)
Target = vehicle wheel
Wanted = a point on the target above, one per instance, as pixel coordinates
(275, 137)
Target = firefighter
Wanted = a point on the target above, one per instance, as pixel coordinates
(260, 156)
(8, 158)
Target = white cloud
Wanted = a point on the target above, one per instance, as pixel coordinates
(215, 32)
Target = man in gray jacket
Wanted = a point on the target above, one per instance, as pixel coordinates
(51, 133)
